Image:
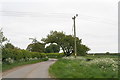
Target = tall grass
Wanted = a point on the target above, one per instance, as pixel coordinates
(85, 67)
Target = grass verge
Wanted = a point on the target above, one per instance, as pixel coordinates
(82, 67)
(16, 64)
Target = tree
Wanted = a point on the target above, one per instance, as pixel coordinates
(36, 47)
(52, 48)
(2, 38)
(82, 50)
(34, 40)
(9, 45)
(66, 42)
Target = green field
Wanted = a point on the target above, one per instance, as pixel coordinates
(98, 66)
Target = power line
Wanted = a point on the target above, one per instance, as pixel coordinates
(38, 14)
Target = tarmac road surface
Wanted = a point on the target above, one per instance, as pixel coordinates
(38, 70)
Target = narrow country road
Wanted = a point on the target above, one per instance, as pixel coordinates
(38, 70)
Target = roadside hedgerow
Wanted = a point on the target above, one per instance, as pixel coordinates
(10, 56)
(55, 55)
(15, 55)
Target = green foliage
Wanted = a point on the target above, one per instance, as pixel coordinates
(36, 47)
(19, 55)
(54, 55)
(82, 50)
(54, 37)
(2, 37)
(66, 42)
(10, 56)
(107, 53)
(68, 45)
(52, 48)
(9, 45)
(79, 67)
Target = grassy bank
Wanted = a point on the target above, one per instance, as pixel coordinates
(16, 64)
(85, 67)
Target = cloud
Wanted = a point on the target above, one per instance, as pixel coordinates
(96, 23)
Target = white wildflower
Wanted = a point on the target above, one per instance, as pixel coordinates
(73, 58)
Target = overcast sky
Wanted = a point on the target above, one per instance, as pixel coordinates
(97, 21)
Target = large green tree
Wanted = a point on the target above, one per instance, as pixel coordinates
(2, 37)
(36, 47)
(66, 42)
(9, 45)
(52, 48)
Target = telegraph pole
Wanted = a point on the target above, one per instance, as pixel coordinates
(75, 34)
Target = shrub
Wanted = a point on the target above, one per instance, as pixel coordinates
(107, 53)
(55, 55)
(15, 55)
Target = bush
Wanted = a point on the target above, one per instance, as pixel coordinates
(107, 53)
(15, 55)
(55, 55)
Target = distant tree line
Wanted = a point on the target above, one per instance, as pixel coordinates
(57, 41)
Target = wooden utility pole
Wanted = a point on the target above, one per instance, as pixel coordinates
(75, 35)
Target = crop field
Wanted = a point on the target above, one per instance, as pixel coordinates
(98, 66)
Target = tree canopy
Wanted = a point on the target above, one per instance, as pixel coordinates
(66, 42)
(9, 45)
(2, 37)
(52, 48)
(36, 47)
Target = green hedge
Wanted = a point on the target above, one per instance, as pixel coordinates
(15, 55)
(54, 55)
